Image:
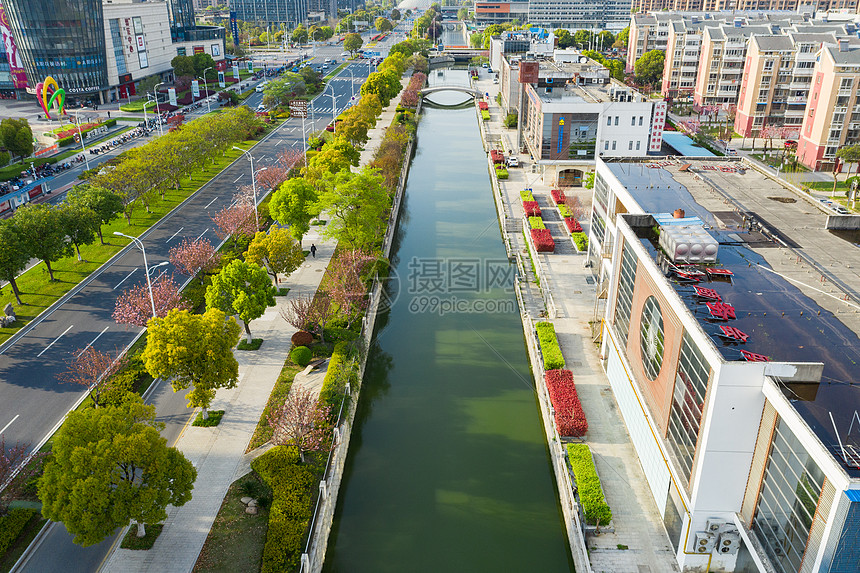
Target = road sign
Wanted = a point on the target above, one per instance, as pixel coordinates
(298, 108)
(195, 88)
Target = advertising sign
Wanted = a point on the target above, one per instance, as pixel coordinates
(529, 72)
(216, 50)
(658, 122)
(16, 67)
(298, 108)
(236, 71)
(234, 27)
(199, 50)
(141, 45)
(221, 82)
(195, 88)
(250, 66)
(171, 93)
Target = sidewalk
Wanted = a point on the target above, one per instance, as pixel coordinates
(636, 520)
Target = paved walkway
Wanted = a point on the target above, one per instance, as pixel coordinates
(636, 520)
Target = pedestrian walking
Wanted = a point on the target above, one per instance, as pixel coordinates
(108, 115)
(313, 251)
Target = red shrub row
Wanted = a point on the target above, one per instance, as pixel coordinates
(410, 94)
(569, 417)
(71, 132)
(572, 225)
(497, 156)
(557, 196)
(543, 240)
(531, 208)
(483, 105)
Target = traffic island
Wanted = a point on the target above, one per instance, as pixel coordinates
(213, 420)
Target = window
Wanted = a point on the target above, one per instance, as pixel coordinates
(641, 119)
(786, 505)
(624, 302)
(613, 145)
(629, 146)
(637, 145)
(609, 120)
(651, 337)
(616, 119)
(606, 145)
(633, 121)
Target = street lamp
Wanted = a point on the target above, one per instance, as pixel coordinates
(253, 183)
(208, 102)
(139, 243)
(81, 137)
(352, 80)
(158, 108)
(333, 112)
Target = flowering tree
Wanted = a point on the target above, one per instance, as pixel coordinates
(14, 474)
(92, 369)
(346, 287)
(134, 307)
(302, 421)
(574, 205)
(235, 221)
(194, 255)
(309, 312)
(271, 177)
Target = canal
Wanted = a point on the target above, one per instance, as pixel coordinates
(447, 467)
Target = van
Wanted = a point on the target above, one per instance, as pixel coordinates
(261, 86)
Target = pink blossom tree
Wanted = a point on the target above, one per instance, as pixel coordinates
(15, 471)
(193, 256)
(271, 177)
(346, 286)
(236, 221)
(92, 369)
(134, 307)
(302, 421)
(309, 312)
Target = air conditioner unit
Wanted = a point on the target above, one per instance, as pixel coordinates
(705, 542)
(728, 543)
(714, 525)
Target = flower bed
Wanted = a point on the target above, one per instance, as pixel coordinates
(502, 173)
(536, 223)
(71, 132)
(557, 196)
(483, 105)
(531, 208)
(497, 156)
(485, 115)
(572, 225)
(526, 195)
(543, 240)
(581, 241)
(564, 211)
(588, 485)
(553, 359)
(569, 417)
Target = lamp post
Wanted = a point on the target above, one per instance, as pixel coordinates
(352, 80)
(81, 137)
(208, 102)
(158, 108)
(333, 112)
(253, 184)
(139, 243)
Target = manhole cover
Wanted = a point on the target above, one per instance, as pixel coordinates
(319, 270)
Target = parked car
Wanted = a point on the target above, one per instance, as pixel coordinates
(731, 151)
(513, 162)
(790, 144)
(841, 210)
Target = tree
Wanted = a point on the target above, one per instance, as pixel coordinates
(81, 225)
(43, 232)
(309, 312)
(110, 466)
(182, 66)
(92, 369)
(236, 221)
(134, 306)
(582, 38)
(302, 421)
(649, 67)
(194, 350)
(358, 206)
(605, 39)
(16, 471)
(623, 38)
(242, 288)
(294, 204)
(352, 43)
(106, 204)
(337, 155)
(276, 251)
(16, 136)
(281, 91)
(346, 286)
(201, 62)
(193, 256)
(300, 35)
(565, 40)
(463, 14)
(383, 24)
(14, 254)
(386, 85)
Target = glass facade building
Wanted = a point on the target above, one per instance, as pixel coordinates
(626, 281)
(289, 12)
(62, 39)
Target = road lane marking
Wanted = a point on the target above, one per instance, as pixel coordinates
(9, 424)
(173, 236)
(93, 341)
(239, 177)
(55, 340)
(295, 143)
(161, 275)
(201, 234)
(126, 278)
(210, 203)
(280, 141)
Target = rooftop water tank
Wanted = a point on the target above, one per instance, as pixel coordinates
(688, 243)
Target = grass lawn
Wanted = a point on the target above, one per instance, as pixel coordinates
(38, 293)
(236, 539)
(213, 420)
(137, 105)
(254, 345)
(132, 541)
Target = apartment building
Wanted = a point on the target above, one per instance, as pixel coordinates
(721, 63)
(740, 407)
(500, 12)
(648, 32)
(717, 5)
(573, 14)
(681, 65)
(832, 117)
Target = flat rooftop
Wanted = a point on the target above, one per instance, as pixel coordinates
(793, 286)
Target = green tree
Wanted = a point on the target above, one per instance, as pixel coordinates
(193, 350)
(276, 251)
(280, 91)
(463, 14)
(383, 25)
(565, 40)
(294, 204)
(386, 85)
(605, 39)
(623, 38)
(80, 223)
(649, 67)
(395, 14)
(14, 254)
(110, 466)
(358, 206)
(582, 38)
(201, 62)
(182, 66)
(335, 156)
(476, 40)
(106, 204)
(300, 35)
(43, 232)
(242, 288)
(148, 84)
(16, 136)
(352, 43)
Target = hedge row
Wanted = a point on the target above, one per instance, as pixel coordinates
(543, 241)
(501, 172)
(557, 196)
(497, 156)
(485, 115)
(536, 223)
(482, 105)
(581, 240)
(531, 208)
(334, 383)
(11, 526)
(569, 417)
(572, 225)
(526, 195)
(588, 485)
(549, 348)
(65, 141)
(293, 485)
(564, 211)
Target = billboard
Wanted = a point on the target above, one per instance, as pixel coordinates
(16, 66)
(236, 71)
(221, 82)
(171, 93)
(234, 27)
(195, 89)
(298, 108)
(529, 72)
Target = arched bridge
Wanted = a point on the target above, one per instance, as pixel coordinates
(462, 89)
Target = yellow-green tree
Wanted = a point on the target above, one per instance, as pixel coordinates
(242, 288)
(276, 251)
(294, 204)
(193, 350)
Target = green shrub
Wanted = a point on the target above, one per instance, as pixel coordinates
(65, 141)
(564, 211)
(338, 374)
(536, 223)
(11, 526)
(293, 485)
(511, 120)
(551, 351)
(502, 173)
(526, 195)
(485, 115)
(581, 240)
(213, 420)
(594, 504)
(301, 355)
(110, 123)
(4, 158)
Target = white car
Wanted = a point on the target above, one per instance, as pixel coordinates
(513, 162)
(261, 107)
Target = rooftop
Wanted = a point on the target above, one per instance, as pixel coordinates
(790, 280)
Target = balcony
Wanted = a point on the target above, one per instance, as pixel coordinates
(796, 99)
(794, 113)
(799, 86)
(841, 109)
(845, 92)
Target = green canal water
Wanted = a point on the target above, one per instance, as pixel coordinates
(447, 467)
